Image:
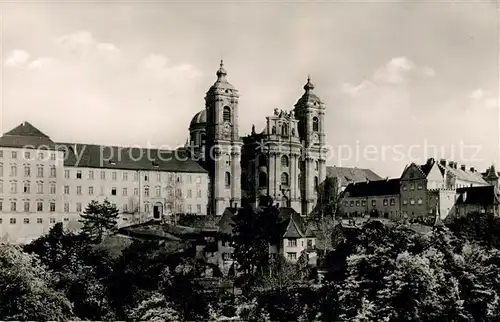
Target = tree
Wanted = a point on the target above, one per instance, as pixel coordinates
(78, 270)
(27, 293)
(326, 211)
(254, 231)
(97, 219)
(155, 308)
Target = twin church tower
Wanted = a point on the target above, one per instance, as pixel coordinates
(286, 160)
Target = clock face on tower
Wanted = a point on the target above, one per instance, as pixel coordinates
(227, 128)
(315, 138)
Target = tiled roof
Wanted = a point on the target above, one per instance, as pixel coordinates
(26, 136)
(473, 177)
(373, 188)
(350, 175)
(113, 157)
(483, 195)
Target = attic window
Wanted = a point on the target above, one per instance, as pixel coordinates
(112, 162)
(155, 164)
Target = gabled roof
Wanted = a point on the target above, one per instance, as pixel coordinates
(292, 225)
(373, 188)
(125, 158)
(350, 175)
(482, 195)
(26, 136)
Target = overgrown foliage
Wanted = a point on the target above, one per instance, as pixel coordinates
(374, 273)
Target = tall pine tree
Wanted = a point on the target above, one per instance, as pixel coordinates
(97, 219)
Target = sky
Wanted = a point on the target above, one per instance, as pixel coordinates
(402, 81)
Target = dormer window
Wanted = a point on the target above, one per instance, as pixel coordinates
(155, 164)
(112, 162)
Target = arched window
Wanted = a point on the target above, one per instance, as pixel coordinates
(284, 130)
(202, 138)
(316, 165)
(262, 160)
(315, 124)
(227, 180)
(284, 161)
(316, 182)
(226, 114)
(273, 130)
(284, 179)
(262, 179)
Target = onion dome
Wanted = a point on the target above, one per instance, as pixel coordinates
(222, 85)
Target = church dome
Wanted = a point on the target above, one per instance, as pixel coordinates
(199, 119)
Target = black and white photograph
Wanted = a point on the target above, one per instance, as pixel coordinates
(264, 160)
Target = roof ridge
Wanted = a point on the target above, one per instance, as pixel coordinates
(26, 129)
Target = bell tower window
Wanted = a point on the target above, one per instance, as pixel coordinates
(226, 114)
(227, 180)
(315, 124)
(284, 179)
(284, 161)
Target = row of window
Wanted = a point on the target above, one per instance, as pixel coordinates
(285, 161)
(78, 207)
(125, 192)
(28, 155)
(412, 201)
(412, 187)
(285, 180)
(27, 206)
(362, 203)
(292, 242)
(26, 187)
(27, 171)
(125, 176)
(13, 220)
(385, 202)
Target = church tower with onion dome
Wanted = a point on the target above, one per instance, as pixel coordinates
(310, 111)
(222, 144)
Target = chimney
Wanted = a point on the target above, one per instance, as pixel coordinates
(472, 169)
(455, 165)
(450, 164)
(463, 167)
(442, 162)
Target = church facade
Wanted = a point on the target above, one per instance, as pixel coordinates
(286, 160)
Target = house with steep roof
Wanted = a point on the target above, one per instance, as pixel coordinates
(295, 237)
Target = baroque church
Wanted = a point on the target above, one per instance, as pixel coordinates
(286, 160)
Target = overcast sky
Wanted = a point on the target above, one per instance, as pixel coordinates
(394, 76)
